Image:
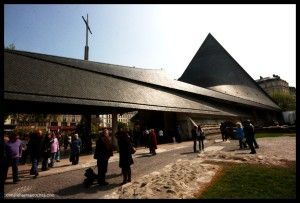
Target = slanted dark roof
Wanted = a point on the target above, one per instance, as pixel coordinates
(37, 80)
(212, 67)
(146, 76)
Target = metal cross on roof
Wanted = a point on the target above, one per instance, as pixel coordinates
(86, 49)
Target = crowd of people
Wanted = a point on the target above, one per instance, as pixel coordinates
(245, 133)
(46, 147)
(126, 145)
(39, 146)
(246, 136)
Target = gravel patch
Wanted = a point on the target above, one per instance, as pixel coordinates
(185, 178)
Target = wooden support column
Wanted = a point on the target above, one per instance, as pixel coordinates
(87, 139)
(114, 130)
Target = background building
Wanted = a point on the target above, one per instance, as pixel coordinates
(51, 122)
(105, 121)
(275, 84)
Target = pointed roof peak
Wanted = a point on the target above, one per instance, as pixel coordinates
(210, 37)
(214, 68)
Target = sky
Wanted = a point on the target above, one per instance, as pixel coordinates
(261, 38)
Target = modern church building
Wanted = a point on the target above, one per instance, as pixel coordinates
(213, 88)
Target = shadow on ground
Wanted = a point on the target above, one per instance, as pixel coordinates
(141, 155)
(79, 188)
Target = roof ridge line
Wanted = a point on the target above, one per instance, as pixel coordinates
(83, 69)
(82, 60)
(27, 54)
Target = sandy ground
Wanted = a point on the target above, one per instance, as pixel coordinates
(185, 178)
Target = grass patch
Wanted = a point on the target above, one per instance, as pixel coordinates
(260, 135)
(248, 181)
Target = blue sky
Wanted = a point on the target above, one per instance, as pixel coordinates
(262, 38)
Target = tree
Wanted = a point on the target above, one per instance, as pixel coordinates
(122, 125)
(11, 46)
(28, 119)
(285, 101)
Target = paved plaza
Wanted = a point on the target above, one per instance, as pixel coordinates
(66, 180)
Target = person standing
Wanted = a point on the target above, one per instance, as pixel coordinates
(254, 140)
(59, 138)
(46, 151)
(161, 136)
(200, 136)
(34, 148)
(103, 151)
(240, 135)
(223, 131)
(24, 149)
(125, 160)
(249, 133)
(194, 137)
(53, 149)
(66, 142)
(153, 142)
(13, 150)
(75, 149)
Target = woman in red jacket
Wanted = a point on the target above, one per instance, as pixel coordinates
(153, 142)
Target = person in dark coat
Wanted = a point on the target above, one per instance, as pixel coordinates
(103, 151)
(34, 148)
(46, 151)
(125, 154)
(249, 134)
(223, 131)
(152, 142)
(229, 131)
(254, 140)
(75, 149)
(200, 137)
(13, 150)
(194, 137)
